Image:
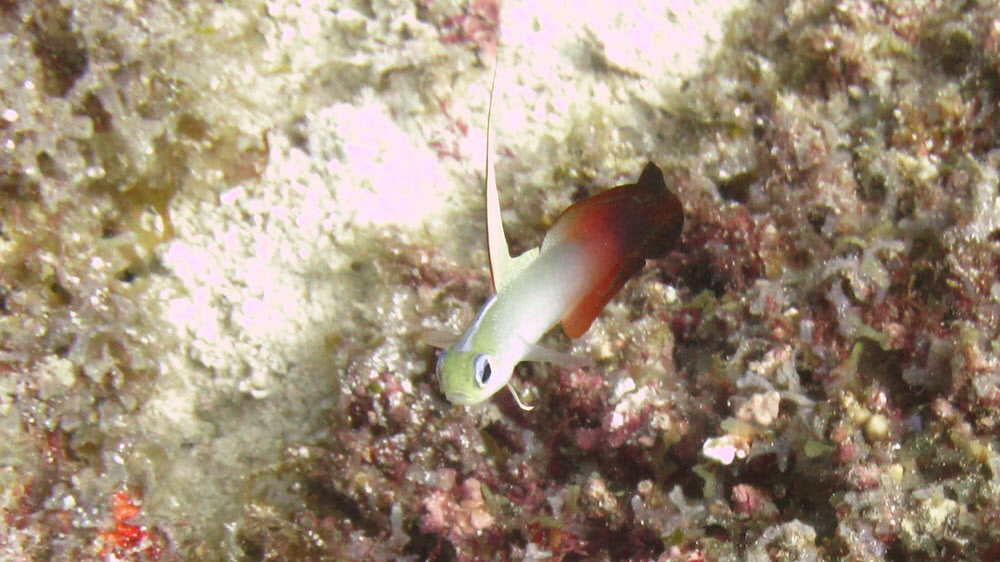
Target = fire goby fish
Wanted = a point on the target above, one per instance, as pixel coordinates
(592, 249)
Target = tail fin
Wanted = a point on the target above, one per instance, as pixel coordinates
(622, 228)
(665, 212)
(642, 219)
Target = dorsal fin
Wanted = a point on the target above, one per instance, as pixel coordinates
(502, 266)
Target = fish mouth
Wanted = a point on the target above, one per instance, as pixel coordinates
(459, 398)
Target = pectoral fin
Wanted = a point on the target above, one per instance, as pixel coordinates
(565, 360)
(440, 338)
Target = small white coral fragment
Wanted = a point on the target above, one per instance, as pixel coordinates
(761, 408)
(723, 450)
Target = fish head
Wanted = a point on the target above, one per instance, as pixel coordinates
(470, 377)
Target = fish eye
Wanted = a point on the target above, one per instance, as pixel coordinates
(483, 369)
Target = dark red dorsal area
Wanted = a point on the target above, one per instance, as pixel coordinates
(621, 228)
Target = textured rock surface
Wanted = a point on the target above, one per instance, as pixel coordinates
(225, 230)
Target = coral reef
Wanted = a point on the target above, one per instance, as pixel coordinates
(226, 230)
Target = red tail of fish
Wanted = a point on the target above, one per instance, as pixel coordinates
(620, 228)
(664, 211)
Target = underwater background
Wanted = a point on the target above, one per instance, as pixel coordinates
(227, 229)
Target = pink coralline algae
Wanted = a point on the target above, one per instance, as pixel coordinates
(460, 521)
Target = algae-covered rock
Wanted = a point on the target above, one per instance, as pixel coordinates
(227, 232)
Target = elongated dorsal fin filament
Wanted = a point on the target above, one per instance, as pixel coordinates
(496, 240)
(503, 267)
